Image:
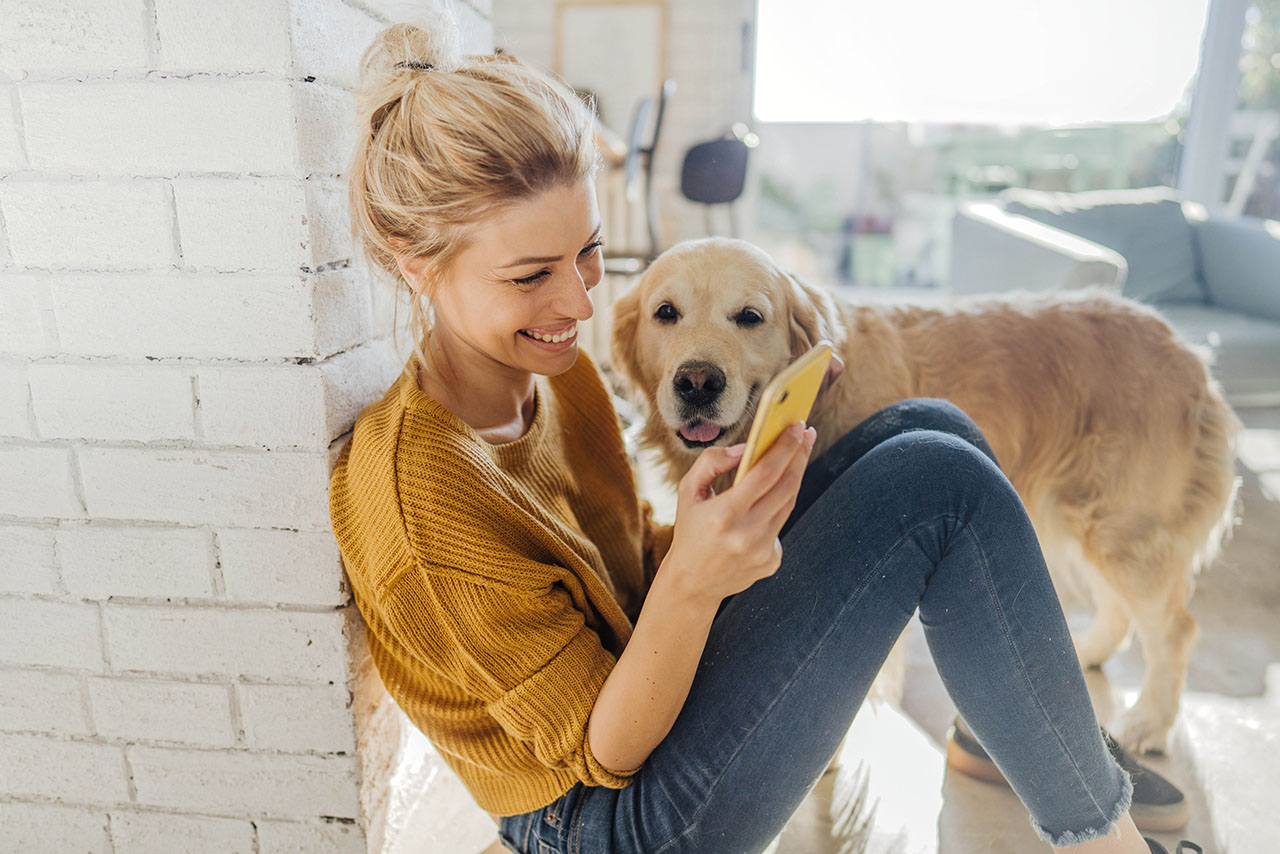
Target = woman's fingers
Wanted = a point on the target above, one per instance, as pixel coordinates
(766, 472)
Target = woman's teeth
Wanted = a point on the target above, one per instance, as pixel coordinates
(553, 339)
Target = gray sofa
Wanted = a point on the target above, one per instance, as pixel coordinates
(1215, 278)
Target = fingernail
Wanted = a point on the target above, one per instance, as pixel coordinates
(797, 430)
(810, 436)
(736, 450)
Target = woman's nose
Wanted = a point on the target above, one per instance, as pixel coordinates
(576, 297)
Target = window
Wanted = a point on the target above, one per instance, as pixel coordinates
(977, 61)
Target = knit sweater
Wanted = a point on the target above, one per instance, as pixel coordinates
(498, 583)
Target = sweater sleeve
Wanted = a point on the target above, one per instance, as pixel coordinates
(527, 654)
(657, 540)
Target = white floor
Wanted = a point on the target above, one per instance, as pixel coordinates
(891, 792)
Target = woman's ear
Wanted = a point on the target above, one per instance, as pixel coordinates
(413, 270)
(814, 316)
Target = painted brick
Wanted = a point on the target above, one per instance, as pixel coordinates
(40, 700)
(27, 560)
(101, 225)
(287, 837)
(237, 781)
(286, 489)
(73, 35)
(476, 30)
(95, 401)
(166, 833)
(58, 634)
(302, 718)
(11, 156)
(341, 310)
(193, 714)
(326, 128)
(37, 482)
(13, 400)
(268, 407)
(25, 303)
(100, 561)
(242, 224)
(31, 828)
(221, 642)
(355, 378)
(257, 317)
(329, 39)
(329, 222)
(160, 126)
(278, 566)
(39, 766)
(230, 35)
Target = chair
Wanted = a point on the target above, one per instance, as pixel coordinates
(715, 172)
(1213, 276)
(640, 159)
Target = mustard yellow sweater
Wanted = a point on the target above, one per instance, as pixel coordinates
(498, 583)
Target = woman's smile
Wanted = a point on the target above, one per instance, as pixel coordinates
(558, 340)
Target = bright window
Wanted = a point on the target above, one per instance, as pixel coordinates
(975, 61)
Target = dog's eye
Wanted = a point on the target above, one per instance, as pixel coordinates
(665, 312)
(749, 317)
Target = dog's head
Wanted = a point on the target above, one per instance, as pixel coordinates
(705, 329)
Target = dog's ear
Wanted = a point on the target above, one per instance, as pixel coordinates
(814, 316)
(622, 338)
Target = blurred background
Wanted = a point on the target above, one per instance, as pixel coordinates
(871, 122)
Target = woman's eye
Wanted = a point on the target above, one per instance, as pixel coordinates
(587, 252)
(535, 278)
(666, 311)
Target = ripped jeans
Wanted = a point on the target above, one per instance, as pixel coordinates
(907, 510)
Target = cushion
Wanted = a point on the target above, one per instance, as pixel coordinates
(1246, 348)
(1146, 226)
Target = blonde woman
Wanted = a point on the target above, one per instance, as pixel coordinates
(599, 682)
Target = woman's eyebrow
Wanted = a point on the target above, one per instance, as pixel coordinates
(546, 259)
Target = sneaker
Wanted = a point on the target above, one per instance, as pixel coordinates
(1157, 848)
(1157, 804)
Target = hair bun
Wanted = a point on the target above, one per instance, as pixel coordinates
(407, 48)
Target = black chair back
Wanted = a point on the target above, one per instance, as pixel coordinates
(715, 172)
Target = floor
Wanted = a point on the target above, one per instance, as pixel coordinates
(890, 792)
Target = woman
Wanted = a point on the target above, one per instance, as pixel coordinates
(599, 682)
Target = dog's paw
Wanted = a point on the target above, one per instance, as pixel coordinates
(1142, 731)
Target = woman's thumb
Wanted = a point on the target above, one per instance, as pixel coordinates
(716, 460)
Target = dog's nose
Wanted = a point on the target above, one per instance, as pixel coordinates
(698, 383)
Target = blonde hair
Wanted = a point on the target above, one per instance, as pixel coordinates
(443, 141)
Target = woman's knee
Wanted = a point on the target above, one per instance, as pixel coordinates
(933, 470)
(930, 413)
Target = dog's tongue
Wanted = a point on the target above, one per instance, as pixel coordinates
(702, 431)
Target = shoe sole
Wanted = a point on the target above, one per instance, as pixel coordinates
(1154, 818)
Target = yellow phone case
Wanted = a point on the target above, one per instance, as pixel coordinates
(787, 398)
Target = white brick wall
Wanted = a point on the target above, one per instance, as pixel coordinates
(186, 336)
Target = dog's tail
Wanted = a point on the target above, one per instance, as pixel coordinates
(1213, 498)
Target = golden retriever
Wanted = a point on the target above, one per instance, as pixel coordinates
(1110, 427)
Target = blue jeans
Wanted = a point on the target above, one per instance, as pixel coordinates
(907, 510)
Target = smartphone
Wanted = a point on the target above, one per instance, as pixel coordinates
(787, 398)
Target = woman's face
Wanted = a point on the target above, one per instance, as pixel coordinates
(526, 271)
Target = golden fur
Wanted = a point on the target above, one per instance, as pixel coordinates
(1110, 426)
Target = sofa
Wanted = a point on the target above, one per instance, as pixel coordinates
(1215, 278)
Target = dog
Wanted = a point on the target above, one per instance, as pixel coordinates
(1110, 427)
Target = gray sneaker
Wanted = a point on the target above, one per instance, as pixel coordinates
(1157, 805)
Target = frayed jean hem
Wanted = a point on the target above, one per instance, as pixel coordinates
(1075, 837)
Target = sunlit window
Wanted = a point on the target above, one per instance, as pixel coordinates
(975, 61)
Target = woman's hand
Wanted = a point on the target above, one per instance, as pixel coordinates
(722, 544)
